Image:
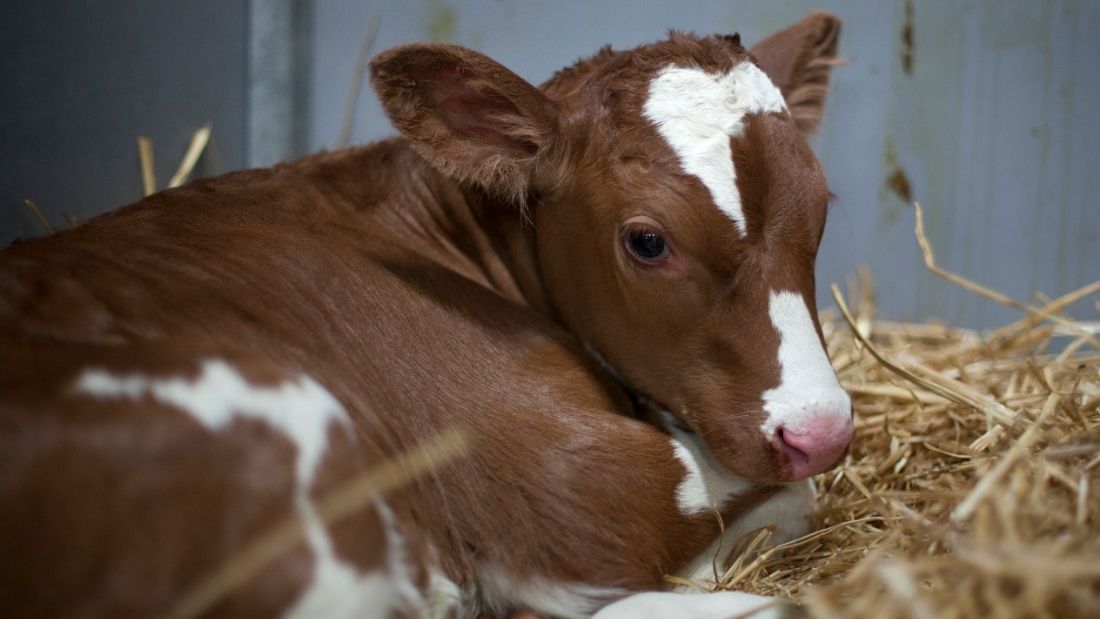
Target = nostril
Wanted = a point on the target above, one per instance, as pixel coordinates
(814, 447)
(795, 453)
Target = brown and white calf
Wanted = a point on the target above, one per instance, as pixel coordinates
(606, 284)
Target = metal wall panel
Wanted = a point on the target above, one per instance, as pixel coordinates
(983, 111)
(82, 80)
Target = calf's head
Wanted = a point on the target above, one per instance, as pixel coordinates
(677, 212)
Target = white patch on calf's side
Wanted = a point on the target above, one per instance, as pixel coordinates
(338, 591)
(717, 605)
(501, 593)
(303, 411)
(808, 387)
(444, 597)
(698, 112)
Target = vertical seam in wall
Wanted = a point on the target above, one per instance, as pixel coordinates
(272, 50)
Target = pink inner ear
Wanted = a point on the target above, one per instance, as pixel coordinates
(478, 114)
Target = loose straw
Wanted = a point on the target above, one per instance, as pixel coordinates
(191, 158)
(148, 173)
(39, 216)
(1037, 314)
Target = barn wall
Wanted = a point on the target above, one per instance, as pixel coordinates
(988, 116)
(81, 80)
(991, 123)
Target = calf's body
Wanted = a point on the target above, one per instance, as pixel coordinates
(557, 465)
(388, 302)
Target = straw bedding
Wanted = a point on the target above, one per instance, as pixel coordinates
(972, 488)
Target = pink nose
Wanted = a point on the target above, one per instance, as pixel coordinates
(814, 446)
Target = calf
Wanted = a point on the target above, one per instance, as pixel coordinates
(606, 285)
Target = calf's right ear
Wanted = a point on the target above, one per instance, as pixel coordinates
(798, 60)
(467, 115)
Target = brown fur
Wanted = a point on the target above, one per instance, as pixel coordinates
(108, 505)
(421, 303)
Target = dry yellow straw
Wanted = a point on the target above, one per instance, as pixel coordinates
(985, 484)
(38, 215)
(930, 383)
(191, 157)
(989, 293)
(148, 173)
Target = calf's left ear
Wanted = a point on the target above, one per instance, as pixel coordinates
(467, 115)
(798, 60)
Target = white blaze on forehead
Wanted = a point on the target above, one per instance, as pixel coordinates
(302, 410)
(698, 112)
(808, 387)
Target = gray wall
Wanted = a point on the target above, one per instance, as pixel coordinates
(994, 125)
(83, 79)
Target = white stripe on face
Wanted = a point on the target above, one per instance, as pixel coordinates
(808, 388)
(697, 113)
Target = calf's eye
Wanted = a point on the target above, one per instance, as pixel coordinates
(646, 245)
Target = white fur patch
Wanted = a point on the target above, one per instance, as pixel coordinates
(501, 593)
(303, 410)
(789, 510)
(707, 484)
(444, 597)
(717, 605)
(698, 112)
(336, 589)
(807, 384)
(338, 592)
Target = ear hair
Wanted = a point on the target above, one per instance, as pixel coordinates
(467, 115)
(799, 61)
(806, 101)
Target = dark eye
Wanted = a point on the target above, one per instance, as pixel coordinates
(646, 245)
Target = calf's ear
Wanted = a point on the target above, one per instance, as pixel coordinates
(798, 60)
(467, 115)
